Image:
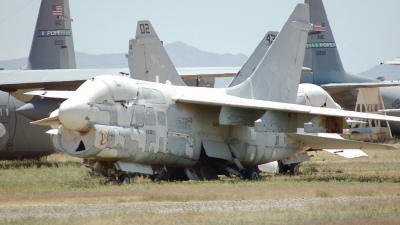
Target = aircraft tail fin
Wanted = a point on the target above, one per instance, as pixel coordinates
(52, 45)
(277, 76)
(148, 59)
(252, 62)
(322, 55)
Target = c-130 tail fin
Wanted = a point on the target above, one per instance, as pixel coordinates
(52, 45)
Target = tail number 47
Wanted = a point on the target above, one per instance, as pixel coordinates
(144, 28)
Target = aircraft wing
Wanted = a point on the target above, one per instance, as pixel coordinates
(52, 94)
(221, 99)
(60, 79)
(324, 141)
(215, 72)
(12, 80)
(337, 87)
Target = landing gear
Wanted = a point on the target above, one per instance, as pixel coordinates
(124, 179)
(251, 173)
(293, 168)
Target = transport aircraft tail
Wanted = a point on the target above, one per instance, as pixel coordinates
(148, 59)
(322, 55)
(281, 65)
(52, 45)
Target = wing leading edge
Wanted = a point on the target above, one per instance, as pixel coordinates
(334, 88)
(316, 141)
(221, 99)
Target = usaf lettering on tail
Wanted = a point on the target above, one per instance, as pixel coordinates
(127, 126)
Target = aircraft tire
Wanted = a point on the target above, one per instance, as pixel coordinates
(294, 169)
(252, 173)
(124, 179)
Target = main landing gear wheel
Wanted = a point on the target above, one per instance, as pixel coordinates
(124, 179)
(294, 169)
(251, 173)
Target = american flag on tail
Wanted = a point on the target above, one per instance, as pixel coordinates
(57, 10)
(319, 27)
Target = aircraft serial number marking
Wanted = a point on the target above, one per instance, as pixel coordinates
(321, 52)
(144, 28)
(270, 38)
(58, 42)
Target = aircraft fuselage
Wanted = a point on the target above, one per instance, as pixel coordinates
(152, 129)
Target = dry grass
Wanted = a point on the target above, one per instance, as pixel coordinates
(61, 179)
(354, 212)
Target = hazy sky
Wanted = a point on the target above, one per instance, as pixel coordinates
(366, 31)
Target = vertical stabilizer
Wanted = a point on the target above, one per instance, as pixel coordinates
(252, 62)
(52, 45)
(322, 55)
(277, 76)
(148, 59)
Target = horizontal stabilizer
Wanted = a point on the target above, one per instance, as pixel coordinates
(48, 121)
(395, 62)
(207, 72)
(330, 141)
(52, 94)
(347, 153)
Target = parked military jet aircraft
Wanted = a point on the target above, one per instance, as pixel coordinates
(137, 126)
(323, 58)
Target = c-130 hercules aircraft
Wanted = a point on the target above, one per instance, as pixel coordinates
(130, 126)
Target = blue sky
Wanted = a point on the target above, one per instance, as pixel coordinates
(366, 31)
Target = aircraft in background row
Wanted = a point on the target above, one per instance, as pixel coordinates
(395, 62)
(130, 126)
(52, 48)
(323, 58)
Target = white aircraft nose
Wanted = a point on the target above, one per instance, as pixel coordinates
(74, 114)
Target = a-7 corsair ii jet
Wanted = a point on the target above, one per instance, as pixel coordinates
(131, 126)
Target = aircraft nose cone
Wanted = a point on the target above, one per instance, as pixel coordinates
(74, 115)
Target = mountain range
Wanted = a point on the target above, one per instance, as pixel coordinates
(183, 55)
